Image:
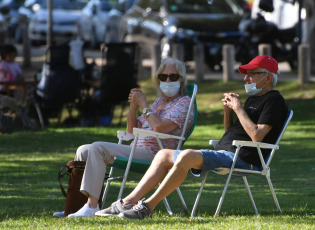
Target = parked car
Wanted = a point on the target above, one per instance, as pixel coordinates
(290, 15)
(100, 20)
(114, 19)
(9, 10)
(65, 14)
(166, 22)
(92, 22)
(25, 12)
(3, 30)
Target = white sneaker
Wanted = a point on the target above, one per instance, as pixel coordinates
(59, 214)
(85, 211)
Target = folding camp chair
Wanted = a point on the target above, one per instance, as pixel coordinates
(142, 166)
(264, 170)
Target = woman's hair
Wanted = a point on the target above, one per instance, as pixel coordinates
(7, 49)
(180, 68)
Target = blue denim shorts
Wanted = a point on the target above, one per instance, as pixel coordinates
(215, 159)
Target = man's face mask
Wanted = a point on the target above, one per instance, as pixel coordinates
(252, 90)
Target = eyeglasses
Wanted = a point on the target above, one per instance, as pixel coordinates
(252, 74)
(172, 76)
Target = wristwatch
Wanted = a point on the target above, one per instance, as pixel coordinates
(148, 114)
(146, 110)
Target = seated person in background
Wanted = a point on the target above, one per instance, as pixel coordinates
(167, 114)
(9, 68)
(260, 119)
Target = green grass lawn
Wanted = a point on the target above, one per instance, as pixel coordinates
(29, 164)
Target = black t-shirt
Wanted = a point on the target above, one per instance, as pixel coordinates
(269, 109)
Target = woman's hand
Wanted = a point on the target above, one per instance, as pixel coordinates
(137, 98)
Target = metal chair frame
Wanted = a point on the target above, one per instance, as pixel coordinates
(264, 170)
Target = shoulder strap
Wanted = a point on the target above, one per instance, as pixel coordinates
(71, 165)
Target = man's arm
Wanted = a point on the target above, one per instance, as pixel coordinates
(256, 132)
(228, 115)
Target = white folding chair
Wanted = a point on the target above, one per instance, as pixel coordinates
(142, 166)
(264, 170)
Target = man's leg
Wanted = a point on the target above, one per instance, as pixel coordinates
(186, 160)
(162, 162)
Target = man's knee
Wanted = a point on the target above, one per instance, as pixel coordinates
(164, 156)
(190, 158)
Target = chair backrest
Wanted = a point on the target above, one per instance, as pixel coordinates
(285, 125)
(191, 90)
(58, 86)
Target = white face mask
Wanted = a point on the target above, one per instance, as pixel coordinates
(170, 89)
(251, 88)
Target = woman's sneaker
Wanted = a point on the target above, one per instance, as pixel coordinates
(115, 208)
(139, 211)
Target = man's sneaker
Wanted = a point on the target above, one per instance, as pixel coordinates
(59, 214)
(140, 211)
(115, 208)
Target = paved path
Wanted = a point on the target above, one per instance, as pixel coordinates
(38, 58)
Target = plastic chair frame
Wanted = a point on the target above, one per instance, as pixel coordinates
(125, 136)
(264, 171)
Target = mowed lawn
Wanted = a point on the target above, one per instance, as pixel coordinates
(30, 161)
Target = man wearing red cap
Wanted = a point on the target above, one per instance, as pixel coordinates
(260, 119)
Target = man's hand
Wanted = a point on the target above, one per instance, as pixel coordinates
(231, 101)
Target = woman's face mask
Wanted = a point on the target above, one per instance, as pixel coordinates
(252, 90)
(170, 89)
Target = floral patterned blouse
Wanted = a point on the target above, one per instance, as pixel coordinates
(176, 111)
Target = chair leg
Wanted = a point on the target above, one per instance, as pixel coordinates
(127, 168)
(250, 194)
(107, 187)
(223, 194)
(39, 112)
(198, 196)
(274, 194)
(182, 200)
(167, 206)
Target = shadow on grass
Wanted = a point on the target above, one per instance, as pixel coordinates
(53, 140)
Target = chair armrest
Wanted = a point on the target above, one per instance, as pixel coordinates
(213, 142)
(125, 136)
(144, 133)
(254, 144)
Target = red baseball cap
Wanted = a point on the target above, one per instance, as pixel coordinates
(262, 61)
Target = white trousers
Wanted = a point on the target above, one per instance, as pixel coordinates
(99, 154)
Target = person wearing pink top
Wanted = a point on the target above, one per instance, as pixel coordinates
(10, 70)
(167, 115)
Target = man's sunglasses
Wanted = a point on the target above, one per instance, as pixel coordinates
(172, 76)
